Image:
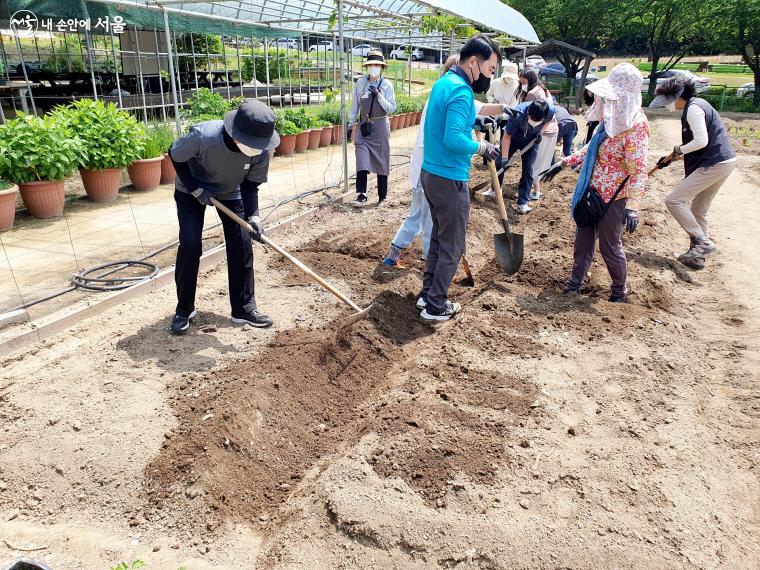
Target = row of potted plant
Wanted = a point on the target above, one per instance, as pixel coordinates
(38, 153)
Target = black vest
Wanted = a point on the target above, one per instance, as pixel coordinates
(718, 146)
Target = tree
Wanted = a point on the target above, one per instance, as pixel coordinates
(588, 24)
(747, 17)
(670, 26)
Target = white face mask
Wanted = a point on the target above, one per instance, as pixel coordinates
(524, 87)
(533, 123)
(671, 106)
(374, 70)
(248, 151)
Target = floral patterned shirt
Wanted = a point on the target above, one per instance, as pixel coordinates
(620, 156)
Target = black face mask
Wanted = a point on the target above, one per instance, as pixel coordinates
(482, 83)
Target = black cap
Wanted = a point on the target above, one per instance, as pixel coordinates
(253, 125)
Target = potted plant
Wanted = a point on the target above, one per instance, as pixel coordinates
(330, 113)
(37, 154)
(304, 122)
(164, 135)
(325, 132)
(8, 192)
(145, 172)
(288, 132)
(111, 140)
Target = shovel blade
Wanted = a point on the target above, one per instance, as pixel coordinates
(509, 251)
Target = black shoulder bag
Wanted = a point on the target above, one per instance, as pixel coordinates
(591, 208)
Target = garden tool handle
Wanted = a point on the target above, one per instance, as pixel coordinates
(499, 196)
(297, 262)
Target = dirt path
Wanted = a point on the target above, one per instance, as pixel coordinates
(534, 431)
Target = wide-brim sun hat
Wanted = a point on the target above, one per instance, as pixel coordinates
(623, 79)
(667, 92)
(509, 71)
(374, 58)
(253, 125)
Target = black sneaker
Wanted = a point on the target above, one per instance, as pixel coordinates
(618, 298)
(180, 324)
(255, 319)
(360, 200)
(448, 311)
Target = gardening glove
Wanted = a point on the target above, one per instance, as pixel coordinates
(507, 111)
(257, 228)
(631, 220)
(549, 174)
(203, 196)
(489, 151)
(664, 161)
(349, 132)
(373, 90)
(481, 124)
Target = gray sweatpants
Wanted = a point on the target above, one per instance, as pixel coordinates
(449, 202)
(691, 199)
(609, 231)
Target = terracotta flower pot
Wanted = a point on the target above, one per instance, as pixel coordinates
(337, 134)
(287, 145)
(145, 173)
(325, 136)
(408, 118)
(7, 207)
(417, 117)
(101, 185)
(167, 171)
(314, 137)
(43, 198)
(302, 141)
(394, 122)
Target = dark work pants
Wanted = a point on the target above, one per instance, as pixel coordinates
(361, 184)
(526, 163)
(609, 231)
(567, 133)
(590, 128)
(190, 214)
(449, 202)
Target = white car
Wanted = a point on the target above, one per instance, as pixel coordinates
(362, 50)
(746, 90)
(401, 51)
(321, 47)
(284, 43)
(702, 83)
(534, 62)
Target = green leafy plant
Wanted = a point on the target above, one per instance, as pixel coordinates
(280, 63)
(206, 103)
(110, 138)
(164, 135)
(35, 148)
(60, 63)
(404, 103)
(319, 123)
(284, 126)
(300, 118)
(5, 185)
(153, 143)
(234, 103)
(133, 566)
(330, 94)
(329, 113)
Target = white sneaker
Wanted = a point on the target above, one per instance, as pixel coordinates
(421, 303)
(448, 311)
(360, 201)
(535, 195)
(524, 209)
(488, 193)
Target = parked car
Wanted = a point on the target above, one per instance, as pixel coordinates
(534, 62)
(362, 50)
(703, 83)
(557, 71)
(401, 53)
(284, 43)
(746, 90)
(322, 47)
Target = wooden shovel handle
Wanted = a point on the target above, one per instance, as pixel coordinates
(297, 262)
(497, 190)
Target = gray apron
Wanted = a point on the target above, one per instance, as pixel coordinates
(373, 153)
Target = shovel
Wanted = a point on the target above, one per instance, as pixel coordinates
(358, 314)
(672, 156)
(509, 246)
(515, 157)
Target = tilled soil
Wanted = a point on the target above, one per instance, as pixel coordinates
(533, 430)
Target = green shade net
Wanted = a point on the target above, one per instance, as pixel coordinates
(137, 16)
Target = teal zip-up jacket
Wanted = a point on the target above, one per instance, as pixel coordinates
(448, 128)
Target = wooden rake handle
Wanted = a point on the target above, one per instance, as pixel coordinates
(295, 261)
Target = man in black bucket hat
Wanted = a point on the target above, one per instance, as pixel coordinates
(226, 160)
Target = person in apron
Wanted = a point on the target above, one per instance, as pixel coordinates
(372, 102)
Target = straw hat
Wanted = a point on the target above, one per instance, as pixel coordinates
(375, 58)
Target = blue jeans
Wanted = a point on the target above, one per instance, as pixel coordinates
(527, 161)
(417, 221)
(567, 133)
